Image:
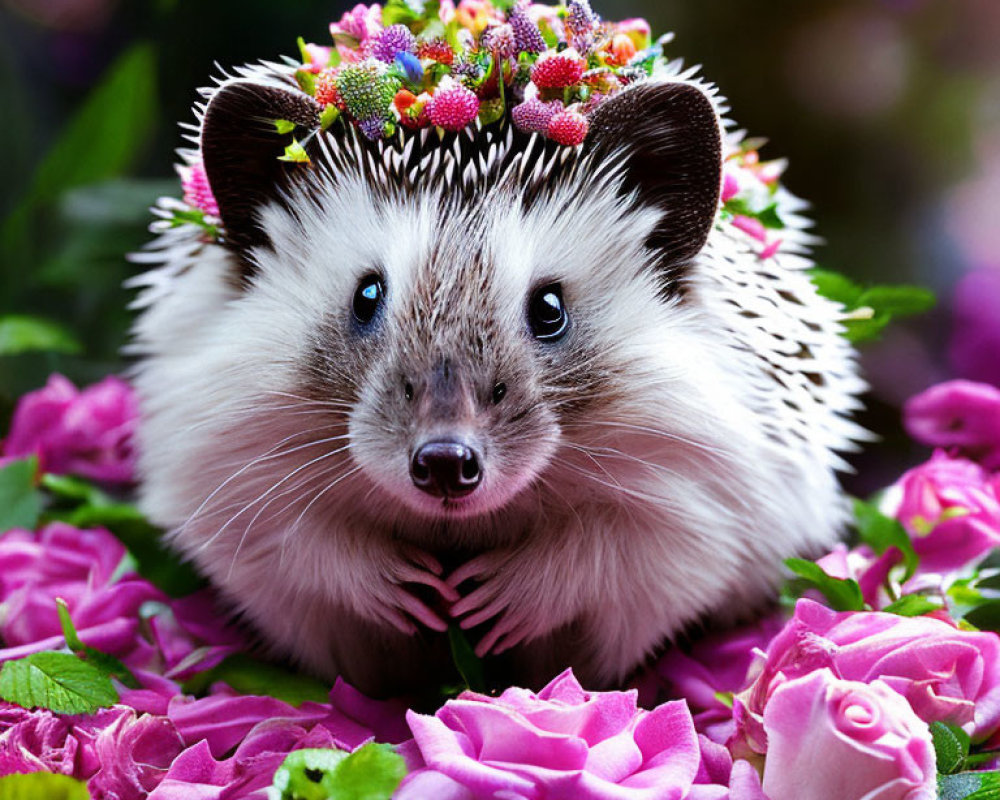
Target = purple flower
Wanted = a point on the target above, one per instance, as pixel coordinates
(945, 673)
(35, 741)
(87, 433)
(79, 566)
(834, 738)
(534, 114)
(391, 41)
(562, 742)
(527, 36)
(975, 340)
(951, 509)
(713, 665)
(961, 415)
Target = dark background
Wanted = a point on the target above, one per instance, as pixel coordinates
(889, 111)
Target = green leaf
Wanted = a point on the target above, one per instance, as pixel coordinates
(969, 786)
(469, 665)
(897, 301)
(986, 616)
(74, 489)
(330, 115)
(104, 139)
(42, 786)
(60, 682)
(20, 501)
(295, 153)
(841, 594)
(882, 532)
(834, 286)
(912, 605)
(284, 126)
(107, 664)
(24, 334)
(951, 746)
(249, 676)
(372, 772)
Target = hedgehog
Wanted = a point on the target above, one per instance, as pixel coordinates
(571, 394)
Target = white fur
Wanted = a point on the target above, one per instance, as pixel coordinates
(715, 463)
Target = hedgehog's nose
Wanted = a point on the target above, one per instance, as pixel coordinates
(445, 469)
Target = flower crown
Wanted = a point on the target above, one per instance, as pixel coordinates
(420, 64)
(425, 64)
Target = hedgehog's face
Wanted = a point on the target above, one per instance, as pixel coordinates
(465, 327)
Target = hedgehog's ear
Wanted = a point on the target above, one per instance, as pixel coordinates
(670, 135)
(241, 146)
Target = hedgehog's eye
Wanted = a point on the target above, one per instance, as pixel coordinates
(368, 299)
(547, 313)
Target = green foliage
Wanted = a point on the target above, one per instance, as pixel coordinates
(42, 786)
(109, 665)
(882, 532)
(841, 594)
(372, 772)
(469, 665)
(870, 309)
(249, 676)
(912, 605)
(60, 682)
(20, 500)
(969, 786)
(20, 333)
(951, 746)
(295, 153)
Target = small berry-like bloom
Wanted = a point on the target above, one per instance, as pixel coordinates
(558, 70)
(623, 48)
(392, 41)
(581, 22)
(500, 39)
(436, 50)
(534, 115)
(367, 89)
(197, 192)
(568, 128)
(526, 34)
(453, 106)
(375, 127)
(326, 90)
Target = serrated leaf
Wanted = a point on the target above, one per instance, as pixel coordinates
(25, 334)
(107, 664)
(372, 772)
(303, 775)
(912, 605)
(881, 532)
(951, 747)
(42, 786)
(969, 786)
(249, 676)
(842, 594)
(20, 502)
(469, 665)
(60, 682)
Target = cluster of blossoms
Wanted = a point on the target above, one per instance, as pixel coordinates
(449, 65)
(823, 704)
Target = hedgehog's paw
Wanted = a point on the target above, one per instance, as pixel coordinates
(391, 594)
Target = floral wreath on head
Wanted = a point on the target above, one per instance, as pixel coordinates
(425, 64)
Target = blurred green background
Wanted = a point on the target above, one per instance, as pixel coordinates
(889, 111)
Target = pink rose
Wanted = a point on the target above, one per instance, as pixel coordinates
(713, 665)
(35, 741)
(865, 566)
(959, 414)
(563, 742)
(945, 673)
(951, 510)
(86, 433)
(831, 738)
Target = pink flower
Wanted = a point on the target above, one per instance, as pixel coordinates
(35, 741)
(197, 190)
(713, 665)
(945, 673)
(80, 567)
(361, 22)
(958, 414)
(730, 186)
(750, 226)
(975, 340)
(865, 566)
(563, 742)
(951, 509)
(87, 433)
(835, 738)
